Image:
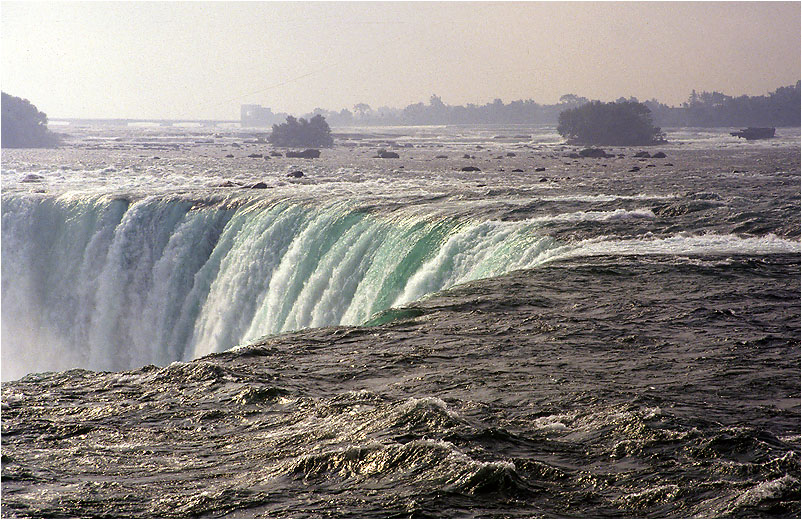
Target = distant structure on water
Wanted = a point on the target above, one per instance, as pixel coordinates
(752, 133)
(257, 115)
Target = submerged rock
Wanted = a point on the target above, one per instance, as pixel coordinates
(592, 152)
(309, 153)
(470, 169)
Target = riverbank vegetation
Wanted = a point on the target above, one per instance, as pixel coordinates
(706, 109)
(23, 125)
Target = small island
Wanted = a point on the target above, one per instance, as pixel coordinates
(23, 125)
(625, 123)
(302, 133)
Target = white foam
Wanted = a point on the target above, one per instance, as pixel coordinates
(766, 490)
(598, 216)
(677, 244)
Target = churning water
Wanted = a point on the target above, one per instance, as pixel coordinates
(590, 339)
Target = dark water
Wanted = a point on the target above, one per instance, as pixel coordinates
(661, 380)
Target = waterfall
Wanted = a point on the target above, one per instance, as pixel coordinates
(105, 283)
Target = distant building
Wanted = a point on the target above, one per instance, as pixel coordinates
(257, 115)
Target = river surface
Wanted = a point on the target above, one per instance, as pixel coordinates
(611, 337)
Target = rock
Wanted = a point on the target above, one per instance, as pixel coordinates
(267, 157)
(33, 177)
(544, 179)
(468, 156)
(228, 184)
(510, 154)
(276, 154)
(669, 164)
(230, 156)
(518, 170)
(255, 155)
(441, 157)
(309, 153)
(573, 155)
(470, 169)
(540, 169)
(635, 169)
(592, 152)
(659, 155)
(645, 155)
(259, 186)
(752, 133)
(387, 155)
(296, 174)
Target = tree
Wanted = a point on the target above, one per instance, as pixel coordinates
(300, 132)
(23, 125)
(573, 99)
(362, 110)
(613, 124)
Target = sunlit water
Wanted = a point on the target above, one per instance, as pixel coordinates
(578, 338)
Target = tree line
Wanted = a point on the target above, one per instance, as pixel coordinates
(706, 109)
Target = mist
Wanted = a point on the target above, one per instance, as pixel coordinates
(176, 60)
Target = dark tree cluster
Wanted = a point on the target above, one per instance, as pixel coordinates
(625, 123)
(23, 125)
(302, 133)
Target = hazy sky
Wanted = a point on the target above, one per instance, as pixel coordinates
(203, 60)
